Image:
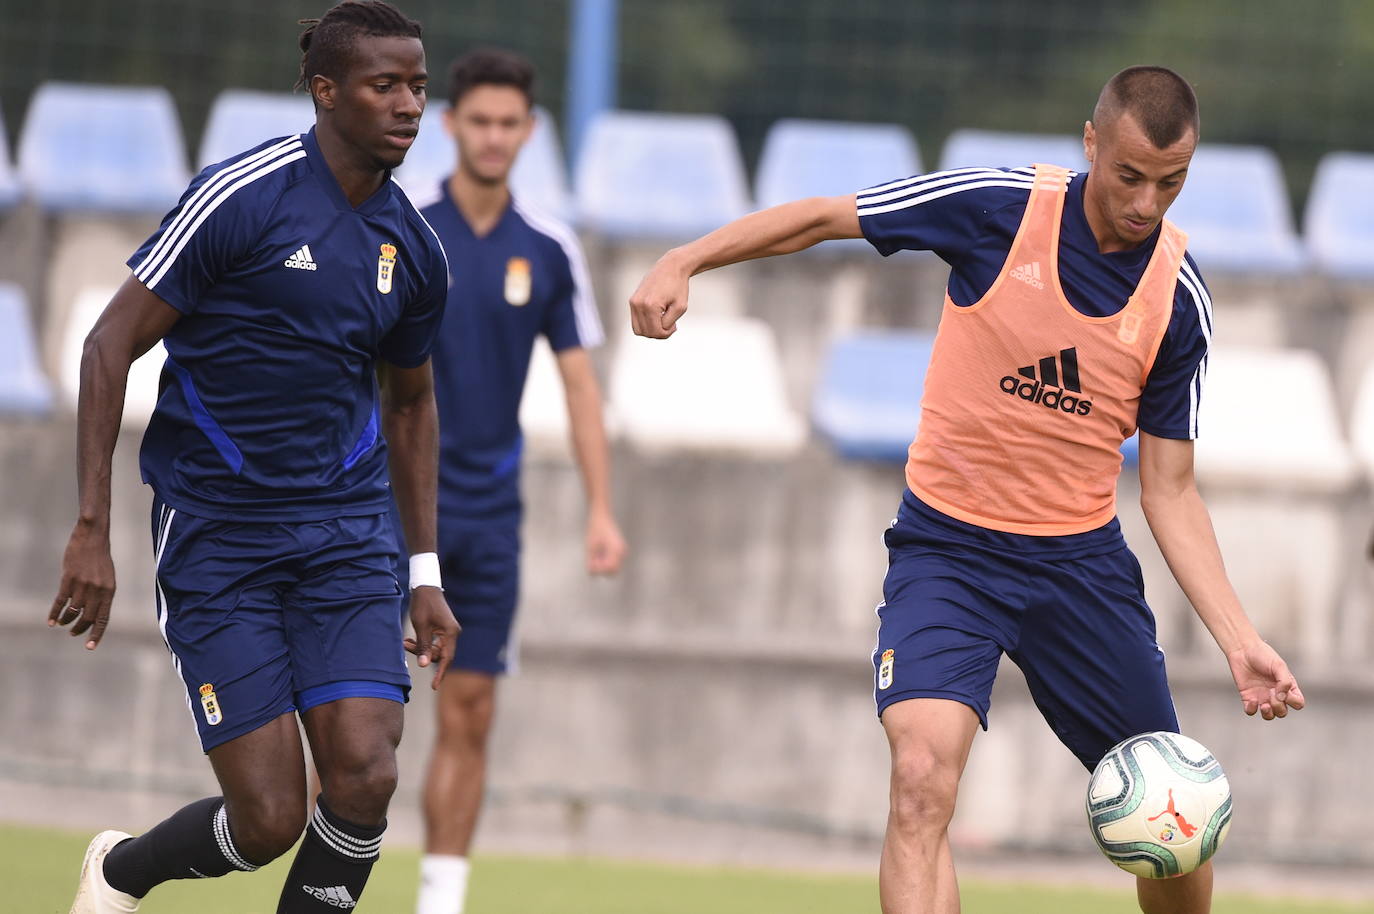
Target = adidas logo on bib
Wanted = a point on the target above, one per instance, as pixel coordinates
(301, 260)
(1049, 386)
(1029, 273)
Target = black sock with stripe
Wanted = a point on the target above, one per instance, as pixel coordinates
(194, 843)
(332, 864)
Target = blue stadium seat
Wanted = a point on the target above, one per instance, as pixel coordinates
(24, 389)
(659, 176)
(868, 400)
(9, 184)
(241, 119)
(804, 158)
(1340, 220)
(971, 148)
(539, 177)
(827, 158)
(1235, 210)
(104, 148)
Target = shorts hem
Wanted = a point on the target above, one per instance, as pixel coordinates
(469, 665)
(351, 688)
(389, 677)
(212, 736)
(887, 700)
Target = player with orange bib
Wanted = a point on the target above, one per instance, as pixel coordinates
(1073, 317)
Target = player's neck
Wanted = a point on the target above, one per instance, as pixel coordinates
(357, 179)
(481, 203)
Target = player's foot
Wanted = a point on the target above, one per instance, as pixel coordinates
(94, 895)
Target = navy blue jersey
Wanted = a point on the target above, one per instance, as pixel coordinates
(525, 277)
(268, 406)
(970, 216)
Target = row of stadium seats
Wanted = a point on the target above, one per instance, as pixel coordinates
(671, 176)
(723, 380)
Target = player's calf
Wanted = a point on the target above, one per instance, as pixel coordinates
(196, 842)
(333, 864)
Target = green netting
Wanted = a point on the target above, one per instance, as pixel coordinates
(1294, 77)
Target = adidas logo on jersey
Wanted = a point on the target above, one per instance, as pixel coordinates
(1029, 273)
(301, 260)
(1049, 386)
(335, 895)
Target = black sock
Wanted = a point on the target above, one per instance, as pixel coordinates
(194, 843)
(331, 866)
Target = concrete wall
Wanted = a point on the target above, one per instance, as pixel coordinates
(714, 701)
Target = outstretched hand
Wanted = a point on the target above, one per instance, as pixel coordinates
(1265, 683)
(660, 299)
(436, 630)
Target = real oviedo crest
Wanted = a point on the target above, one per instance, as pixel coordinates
(386, 266)
(518, 282)
(210, 703)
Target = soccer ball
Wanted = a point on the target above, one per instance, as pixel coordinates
(1159, 805)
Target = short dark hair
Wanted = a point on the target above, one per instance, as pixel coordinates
(490, 67)
(327, 42)
(1160, 100)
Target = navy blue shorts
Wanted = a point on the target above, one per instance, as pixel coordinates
(480, 569)
(267, 618)
(956, 598)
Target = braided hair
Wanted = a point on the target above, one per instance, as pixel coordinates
(327, 42)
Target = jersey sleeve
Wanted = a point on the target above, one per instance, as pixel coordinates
(573, 321)
(1173, 391)
(411, 339)
(943, 212)
(212, 227)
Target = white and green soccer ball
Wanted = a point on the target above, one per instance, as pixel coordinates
(1159, 805)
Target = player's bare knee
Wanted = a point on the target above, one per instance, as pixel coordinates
(923, 792)
(361, 791)
(465, 716)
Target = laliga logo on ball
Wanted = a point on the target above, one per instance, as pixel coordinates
(1159, 805)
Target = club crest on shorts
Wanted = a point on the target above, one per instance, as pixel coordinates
(885, 669)
(210, 703)
(386, 266)
(518, 282)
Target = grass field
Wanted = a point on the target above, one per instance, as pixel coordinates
(38, 871)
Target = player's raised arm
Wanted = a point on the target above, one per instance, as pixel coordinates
(1181, 525)
(131, 323)
(662, 295)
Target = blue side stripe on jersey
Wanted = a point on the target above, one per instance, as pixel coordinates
(511, 461)
(206, 422)
(365, 441)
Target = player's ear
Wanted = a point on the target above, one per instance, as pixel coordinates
(1089, 141)
(323, 89)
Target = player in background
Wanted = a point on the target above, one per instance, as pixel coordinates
(280, 283)
(1072, 317)
(517, 274)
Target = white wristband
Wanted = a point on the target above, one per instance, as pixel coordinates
(424, 571)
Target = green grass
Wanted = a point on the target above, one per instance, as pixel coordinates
(38, 869)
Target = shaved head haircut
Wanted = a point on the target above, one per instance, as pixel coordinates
(1159, 100)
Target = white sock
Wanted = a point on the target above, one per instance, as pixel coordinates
(443, 884)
